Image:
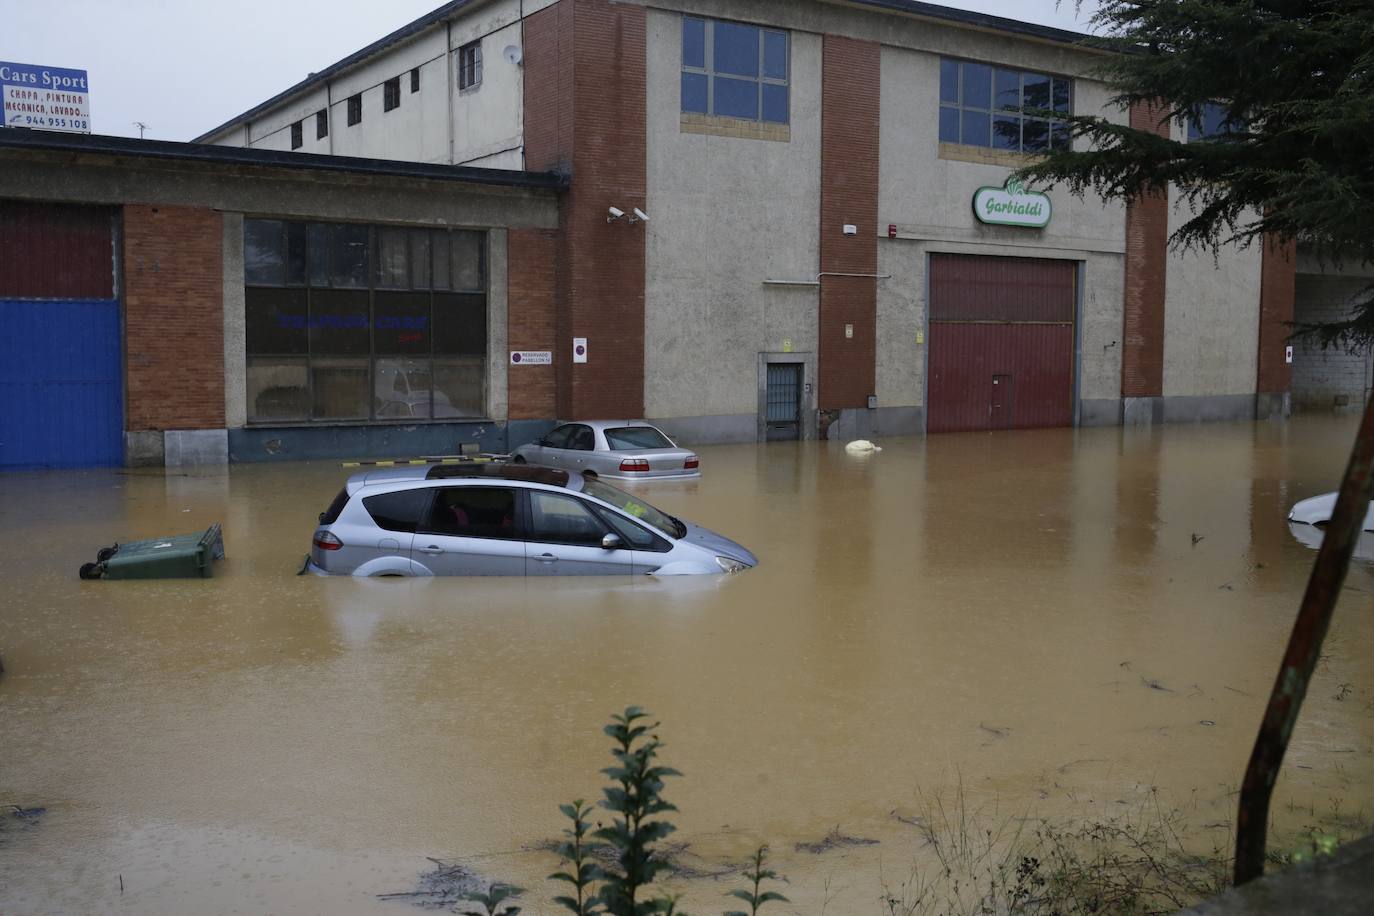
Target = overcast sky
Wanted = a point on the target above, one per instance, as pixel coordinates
(185, 66)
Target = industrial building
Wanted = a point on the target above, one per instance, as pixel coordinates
(740, 219)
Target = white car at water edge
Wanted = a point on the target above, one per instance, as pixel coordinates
(1309, 517)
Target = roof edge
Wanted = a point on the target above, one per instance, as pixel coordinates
(984, 21)
(913, 7)
(18, 138)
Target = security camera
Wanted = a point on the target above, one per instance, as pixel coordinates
(616, 213)
(640, 216)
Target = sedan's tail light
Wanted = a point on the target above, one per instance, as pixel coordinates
(327, 541)
(691, 464)
(635, 465)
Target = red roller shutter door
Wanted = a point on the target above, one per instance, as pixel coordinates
(1001, 343)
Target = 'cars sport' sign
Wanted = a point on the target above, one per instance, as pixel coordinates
(1011, 205)
(45, 98)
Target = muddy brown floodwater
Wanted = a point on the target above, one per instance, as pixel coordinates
(1053, 623)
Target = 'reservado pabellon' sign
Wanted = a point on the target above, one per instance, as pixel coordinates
(1011, 205)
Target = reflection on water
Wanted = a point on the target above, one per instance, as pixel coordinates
(990, 609)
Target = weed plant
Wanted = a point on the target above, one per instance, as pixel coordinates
(611, 869)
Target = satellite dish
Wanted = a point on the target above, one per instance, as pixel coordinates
(513, 54)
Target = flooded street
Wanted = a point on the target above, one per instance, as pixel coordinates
(1057, 621)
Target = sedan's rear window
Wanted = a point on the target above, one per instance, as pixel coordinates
(399, 511)
(633, 437)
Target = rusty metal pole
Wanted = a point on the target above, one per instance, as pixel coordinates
(1304, 648)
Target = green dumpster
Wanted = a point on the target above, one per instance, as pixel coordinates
(182, 556)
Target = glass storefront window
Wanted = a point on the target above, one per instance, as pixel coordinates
(348, 322)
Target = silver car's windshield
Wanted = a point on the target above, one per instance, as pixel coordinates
(634, 506)
(633, 437)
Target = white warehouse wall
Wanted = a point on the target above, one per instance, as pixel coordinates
(726, 213)
(480, 126)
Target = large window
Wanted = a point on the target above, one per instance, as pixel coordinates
(734, 70)
(351, 323)
(1001, 108)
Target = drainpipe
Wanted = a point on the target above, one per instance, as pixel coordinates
(329, 113)
(448, 69)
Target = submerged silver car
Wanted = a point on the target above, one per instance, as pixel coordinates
(618, 449)
(502, 519)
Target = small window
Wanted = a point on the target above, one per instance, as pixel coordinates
(391, 93)
(415, 80)
(735, 70)
(1212, 124)
(297, 135)
(355, 109)
(583, 439)
(399, 511)
(321, 124)
(634, 535)
(560, 519)
(470, 65)
(331, 515)
(473, 512)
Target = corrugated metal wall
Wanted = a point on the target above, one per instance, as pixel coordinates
(1001, 343)
(61, 368)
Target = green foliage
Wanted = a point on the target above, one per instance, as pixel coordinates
(576, 850)
(756, 898)
(635, 796)
(629, 846)
(1295, 81)
(493, 902)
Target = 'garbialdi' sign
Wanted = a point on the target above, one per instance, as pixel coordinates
(1012, 205)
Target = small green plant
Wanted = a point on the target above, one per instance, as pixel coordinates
(576, 850)
(611, 869)
(1317, 844)
(756, 898)
(493, 902)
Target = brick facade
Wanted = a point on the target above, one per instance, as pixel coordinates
(1147, 237)
(585, 114)
(850, 91)
(174, 318)
(532, 314)
(1277, 278)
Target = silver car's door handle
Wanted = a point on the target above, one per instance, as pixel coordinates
(432, 550)
(547, 558)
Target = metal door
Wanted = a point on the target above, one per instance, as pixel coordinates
(61, 369)
(1000, 317)
(783, 401)
(1000, 412)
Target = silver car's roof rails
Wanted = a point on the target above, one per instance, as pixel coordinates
(549, 476)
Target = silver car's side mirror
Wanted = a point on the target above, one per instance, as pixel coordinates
(612, 542)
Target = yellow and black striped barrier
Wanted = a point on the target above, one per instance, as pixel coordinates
(434, 459)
